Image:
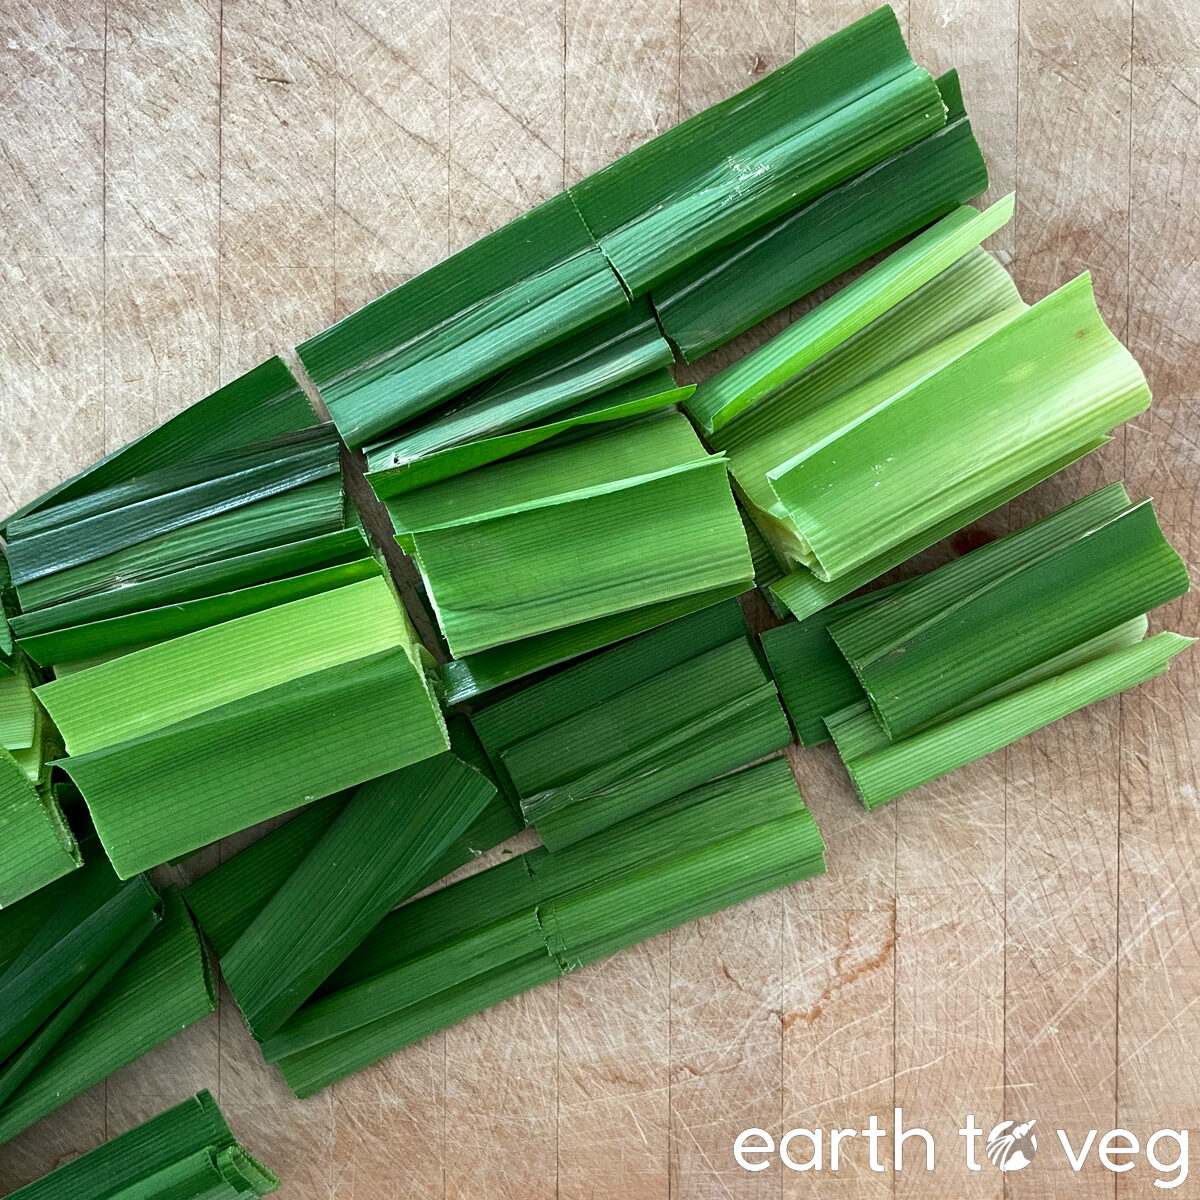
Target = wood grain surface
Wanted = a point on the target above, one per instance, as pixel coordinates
(189, 185)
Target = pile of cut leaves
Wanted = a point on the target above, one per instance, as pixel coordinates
(199, 634)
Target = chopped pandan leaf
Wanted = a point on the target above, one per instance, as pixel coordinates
(29, 928)
(16, 1070)
(59, 948)
(527, 920)
(655, 390)
(8, 610)
(767, 568)
(314, 1068)
(183, 600)
(280, 708)
(552, 274)
(634, 515)
(371, 857)
(840, 107)
(721, 397)
(803, 594)
(882, 769)
(812, 675)
(30, 996)
(18, 710)
(164, 987)
(635, 725)
(532, 283)
(185, 1153)
(928, 328)
(965, 629)
(256, 407)
(228, 899)
(181, 516)
(36, 844)
(1034, 390)
(613, 354)
(478, 674)
(118, 635)
(222, 663)
(726, 291)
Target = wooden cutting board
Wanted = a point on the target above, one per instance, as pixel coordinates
(188, 186)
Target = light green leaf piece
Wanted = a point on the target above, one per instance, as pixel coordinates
(882, 769)
(1037, 387)
(528, 920)
(163, 988)
(260, 405)
(825, 327)
(637, 514)
(726, 291)
(36, 844)
(271, 752)
(635, 725)
(1007, 607)
(140, 692)
(840, 107)
(536, 281)
(281, 707)
(185, 1153)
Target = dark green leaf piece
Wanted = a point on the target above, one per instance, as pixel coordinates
(263, 403)
(165, 987)
(478, 674)
(114, 635)
(835, 110)
(882, 769)
(30, 996)
(727, 291)
(179, 516)
(527, 920)
(370, 858)
(532, 283)
(812, 675)
(185, 1153)
(632, 726)
(1000, 611)
(610, 355)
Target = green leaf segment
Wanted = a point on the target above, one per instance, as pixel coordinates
(185, 1153)
(918, 397)
(377, 851)
(93, 973)
(636, 515)
(281, 707)
(634, 725)
(533, 918)
(577, 263)
(938, 670)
